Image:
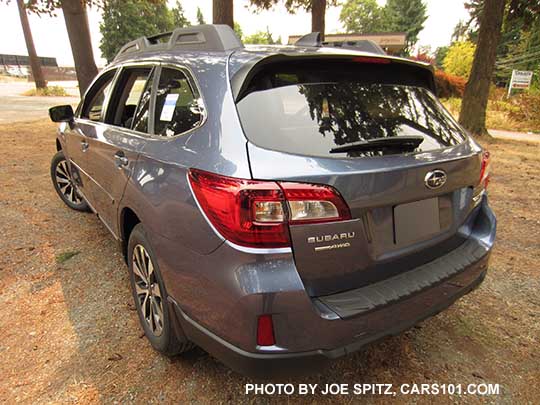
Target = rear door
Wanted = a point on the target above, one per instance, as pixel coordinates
(115, 144)
(407, 203)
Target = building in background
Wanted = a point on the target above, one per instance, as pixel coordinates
(392, 42)
(19, 66)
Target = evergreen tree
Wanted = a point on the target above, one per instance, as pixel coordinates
(126, 20)
(179, 18)
(200, 16)
(406, 16)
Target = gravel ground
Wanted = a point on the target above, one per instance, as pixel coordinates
(70, 333)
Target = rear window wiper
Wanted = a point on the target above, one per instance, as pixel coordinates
(402, 143)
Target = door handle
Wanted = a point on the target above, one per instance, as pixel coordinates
(121, 159)
(84, 146)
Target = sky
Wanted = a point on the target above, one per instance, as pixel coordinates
(50, 36)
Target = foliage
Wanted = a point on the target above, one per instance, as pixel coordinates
(449, 85)
(459, 59)
(238, 31)
(261, 37)
(50, 91)
(65, 256)
(126, 20)
(291, 5)
(362, 16)
(49, 7)
(528, 109)
(440, 54)
(406, 16)
(179, 19)
(200, 17)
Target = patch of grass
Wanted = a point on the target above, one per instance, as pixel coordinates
(49, 91)
(65, 256)
(501, 114)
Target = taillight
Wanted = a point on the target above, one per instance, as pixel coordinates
(484, 169)
(258, 213)
(265, 331)
(311, 203)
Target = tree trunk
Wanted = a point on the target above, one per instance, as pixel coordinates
(222, 12)
(81, 45)
(35, 63)
(475, 98)
(318, 10)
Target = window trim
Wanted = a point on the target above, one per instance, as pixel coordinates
(84, 100)
(194, 84)
(195, 89)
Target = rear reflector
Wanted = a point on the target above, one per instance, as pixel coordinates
(485, 169)
(257, 214)
(265, 331)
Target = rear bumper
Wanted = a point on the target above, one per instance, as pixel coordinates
(313, 331)
(417, 307)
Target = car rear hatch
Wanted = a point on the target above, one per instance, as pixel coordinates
(371, 128)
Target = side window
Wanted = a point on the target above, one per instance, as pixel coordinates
(140, 119)
(178, 108)
(126, 97)
(93, 105)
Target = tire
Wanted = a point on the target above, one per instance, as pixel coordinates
(155, 315)
(64, 185)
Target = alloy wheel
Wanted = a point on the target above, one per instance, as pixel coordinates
(147, 290)
(65, 183)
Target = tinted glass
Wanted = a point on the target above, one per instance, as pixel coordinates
(128, 91)
(177, 107)
(140, 121)
(94, 102)
(314, 118)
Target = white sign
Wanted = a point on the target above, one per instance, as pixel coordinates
(521, 79)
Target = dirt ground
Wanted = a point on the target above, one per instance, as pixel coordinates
(69, 332)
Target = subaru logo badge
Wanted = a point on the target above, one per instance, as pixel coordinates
(435, 179)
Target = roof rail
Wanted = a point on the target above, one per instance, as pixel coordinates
(206, 37)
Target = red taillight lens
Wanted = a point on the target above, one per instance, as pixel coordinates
(485, 168)
(257, 213)
(265, 331)
(245, 212)
(367, 59)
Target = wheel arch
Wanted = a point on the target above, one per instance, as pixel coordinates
(58, 145)
(128, 220)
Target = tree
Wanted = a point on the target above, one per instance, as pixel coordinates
(317, 8)
(126, 20)
(362, 16)
(459, 59)
(261, 37)
(406, 16)
(200, 17)
(238, 31)
(475, 98)
(179, 18)
(35, 63)
(76, 21)
(222, 12)
(440, 55)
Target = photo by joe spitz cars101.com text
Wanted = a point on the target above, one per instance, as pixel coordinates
(278, 206)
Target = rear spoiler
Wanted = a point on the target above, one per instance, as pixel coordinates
(241, 80)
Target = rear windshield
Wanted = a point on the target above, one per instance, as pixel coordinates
(315, 114)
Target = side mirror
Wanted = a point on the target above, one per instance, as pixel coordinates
(61, 113)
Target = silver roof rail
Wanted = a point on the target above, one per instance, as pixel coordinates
(207, 37)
